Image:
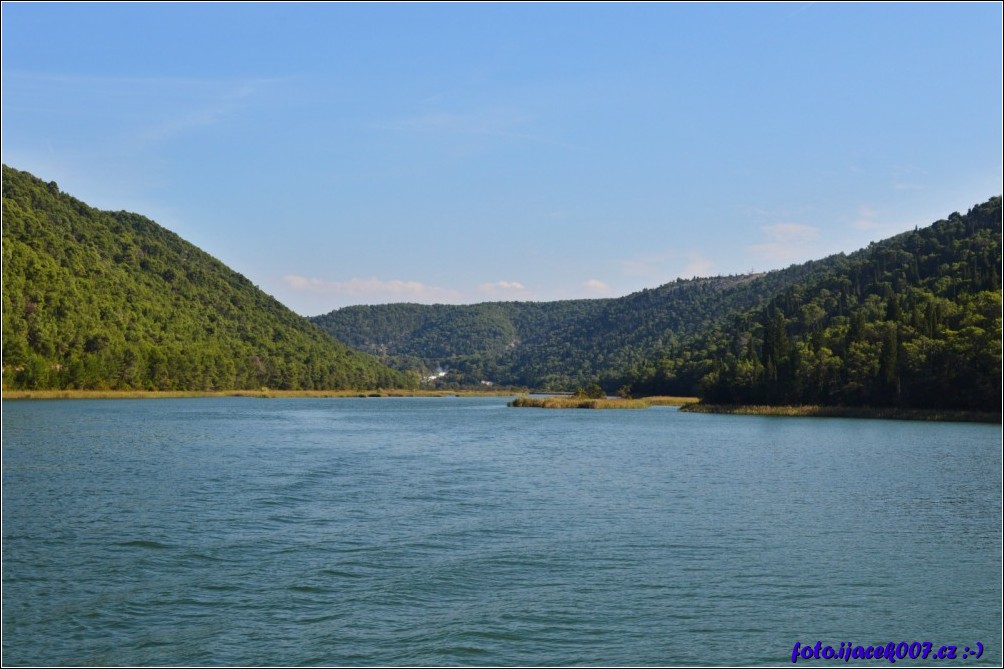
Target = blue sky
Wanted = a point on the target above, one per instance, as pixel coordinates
(342, 154)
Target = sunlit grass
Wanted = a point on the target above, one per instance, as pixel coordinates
(670, 401)
(578, 403)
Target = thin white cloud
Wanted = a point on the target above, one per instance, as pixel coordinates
(182, 124)
(503, 285)
(786, 242)
(649, 265)
(143, 110)
(870, 220)
(697, 265)
(208, 105)
(865, 219)
(596, 287)
(508, 289)
(374, 289)
(667, 265)
(787, 233)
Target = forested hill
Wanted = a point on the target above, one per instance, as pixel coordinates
(910, 321)
(550, 345)
(111, 300)
(913, 321)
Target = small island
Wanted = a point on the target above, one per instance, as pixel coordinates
(581, 401)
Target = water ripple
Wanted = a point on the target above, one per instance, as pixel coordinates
(426, 532)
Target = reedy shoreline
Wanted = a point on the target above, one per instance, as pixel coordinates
(561, 402)
(687, 404)
(264, 393)
(889, 413)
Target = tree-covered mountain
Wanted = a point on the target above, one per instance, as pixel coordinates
(111, 300)
(554, 345)
(912, 321)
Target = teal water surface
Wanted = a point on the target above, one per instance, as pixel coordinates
(451, 531)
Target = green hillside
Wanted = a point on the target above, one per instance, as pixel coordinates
(553, 345)
(111, 300)
(913, 321)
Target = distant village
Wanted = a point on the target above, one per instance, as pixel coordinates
(440, 373)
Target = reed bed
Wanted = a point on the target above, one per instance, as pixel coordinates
(577, 403)
(891, 413)
(670, 401)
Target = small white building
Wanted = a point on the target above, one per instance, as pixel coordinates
(438, 375)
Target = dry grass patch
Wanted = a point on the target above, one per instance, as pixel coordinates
(670, 401)
(577, 403)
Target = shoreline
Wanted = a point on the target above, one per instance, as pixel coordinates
(685, 404)
(575, 403)
(264, 393)
(567, 402)
(817, 411)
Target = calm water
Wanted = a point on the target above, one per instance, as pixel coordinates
(458, 531)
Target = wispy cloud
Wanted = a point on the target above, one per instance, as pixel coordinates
(667, 265)
(596, 287)
(205, 105)
(786, 242)
(872, 221)
(697, 265)
(865, 219)
(137, 111)
(791, 232)
(506, 289)
(374, 289)
(649, 265)
(181, 124)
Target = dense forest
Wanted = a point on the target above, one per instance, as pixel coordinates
(912, 321)
(551, 345)
(111, 300)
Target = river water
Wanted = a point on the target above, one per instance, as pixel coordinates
(457, 531)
